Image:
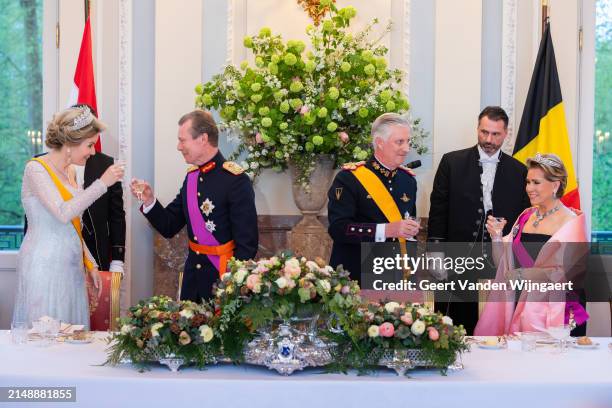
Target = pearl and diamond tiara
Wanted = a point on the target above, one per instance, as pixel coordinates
(83, 119)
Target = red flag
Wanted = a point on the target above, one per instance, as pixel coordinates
(84, 90)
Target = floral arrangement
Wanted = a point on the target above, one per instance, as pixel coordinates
(159, 327)
(252, 294)
(294, 104)
(373, 328)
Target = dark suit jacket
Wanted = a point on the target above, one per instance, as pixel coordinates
(456, 213)
(104, 220)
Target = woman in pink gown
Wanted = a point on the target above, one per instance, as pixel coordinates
(547, 245)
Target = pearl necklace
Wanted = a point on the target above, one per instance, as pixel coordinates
(540, 217)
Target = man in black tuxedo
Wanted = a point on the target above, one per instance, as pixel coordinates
(104, 220)
(470, 184)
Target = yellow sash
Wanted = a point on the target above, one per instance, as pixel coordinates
(381, 196)
(76, 221)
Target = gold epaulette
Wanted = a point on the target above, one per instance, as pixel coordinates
(233, 168)
(352, 166)
(408, 170)
(192, 168)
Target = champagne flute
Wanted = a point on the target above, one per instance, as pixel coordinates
(139, 187)
(498, 226)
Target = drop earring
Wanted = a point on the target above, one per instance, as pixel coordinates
(69, 156)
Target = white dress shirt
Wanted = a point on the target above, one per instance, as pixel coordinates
(489, 167)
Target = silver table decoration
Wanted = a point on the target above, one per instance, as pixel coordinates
(293, 345)
(402, 360)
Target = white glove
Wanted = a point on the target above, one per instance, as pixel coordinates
(116, 266)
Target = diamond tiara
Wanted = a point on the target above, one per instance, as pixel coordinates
(82, 120)
(544, 160)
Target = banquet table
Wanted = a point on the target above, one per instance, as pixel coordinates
(496, 378)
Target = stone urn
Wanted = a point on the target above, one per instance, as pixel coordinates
(309, 237)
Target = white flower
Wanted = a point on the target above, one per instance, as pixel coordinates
(281, 282)
(240, 275)
(126, 329)
(206, 333)
(325, 285)
(312, 266)
(154, 329)
(188, 313)
(447, 320)
(423, 311)
(391, 306)
(418, 327)
(373, 331)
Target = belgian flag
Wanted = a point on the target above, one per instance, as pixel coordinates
(543, 128)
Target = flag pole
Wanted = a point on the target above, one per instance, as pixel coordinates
(545, 15)
(87, 8)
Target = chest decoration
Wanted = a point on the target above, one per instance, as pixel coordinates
(207, 207)
(405, 198)
(210, 226)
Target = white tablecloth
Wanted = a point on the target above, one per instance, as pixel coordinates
(495, 378)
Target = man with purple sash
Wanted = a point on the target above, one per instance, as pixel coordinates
(216, 202)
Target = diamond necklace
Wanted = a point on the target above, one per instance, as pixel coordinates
(540, 217)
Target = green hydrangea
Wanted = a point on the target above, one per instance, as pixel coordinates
(244, 65)
(296, 86)
(273, 68)
(385, 95)
(369, 70)
(332, 126)
(322, 112)
(256, 98)
(290, 59)
(296, 103)
(207, 99)
(328, 26)
(264, 111)
(284, 107)
(247, 42)
(333, 93)
(199, 89)
(309, 66)
(309, 147)
(345, 66)
(266, 122)
(390, 106)
(256, 86)
(317, 140)
(259, 62)
(265, 32)
(363, 112)
(283, 126)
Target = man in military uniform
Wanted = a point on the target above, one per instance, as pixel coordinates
(216, 202)
(371, 201)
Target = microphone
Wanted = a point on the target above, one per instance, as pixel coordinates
(413, 164)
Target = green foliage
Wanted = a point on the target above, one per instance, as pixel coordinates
(21, 95)
(602, 149)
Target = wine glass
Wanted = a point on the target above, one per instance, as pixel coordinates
(139, 186)
(407, 216)
(498, 226)
(559, 333)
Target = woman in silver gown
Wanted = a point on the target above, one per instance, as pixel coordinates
(53, 260)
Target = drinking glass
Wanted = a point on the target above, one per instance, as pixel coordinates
(19, 333)
(559, 333)
(407, 216)
(139, 187)
(498, 226)
(528, 341)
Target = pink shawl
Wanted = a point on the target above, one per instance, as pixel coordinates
(535, 311)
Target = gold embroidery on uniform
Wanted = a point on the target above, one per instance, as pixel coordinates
(338, 192)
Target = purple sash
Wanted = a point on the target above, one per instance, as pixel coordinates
(526, 261)
(196, 219)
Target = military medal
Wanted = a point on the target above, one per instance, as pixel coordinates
(207, 207)
(405, 198)
(210, 226)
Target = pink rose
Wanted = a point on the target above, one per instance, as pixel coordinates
(258, 138)
(345, 290)
(292, 269)
(406, 319)
(344, 137)
(386, 329)
(304, 110)
(433, 333)
(253, 282)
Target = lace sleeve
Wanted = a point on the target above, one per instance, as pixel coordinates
(37, 180)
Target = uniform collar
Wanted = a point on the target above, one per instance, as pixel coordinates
(216, 161)
(380, 168)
